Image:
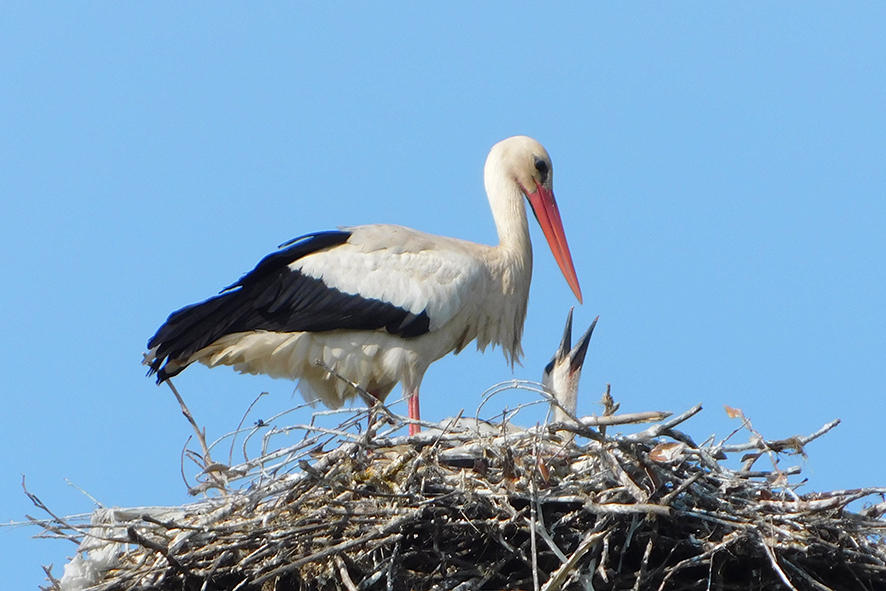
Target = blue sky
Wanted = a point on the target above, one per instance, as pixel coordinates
(720, 170)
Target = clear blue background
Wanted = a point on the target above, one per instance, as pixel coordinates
(720, 170)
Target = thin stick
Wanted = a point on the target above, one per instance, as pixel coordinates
(781, 444)
(562, 574)
(536, 515)
(240, 425)
(656, 430)
(345, 575)
(781, 574)
(201, 435)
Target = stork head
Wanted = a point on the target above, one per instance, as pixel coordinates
(524, 161)
(561, 375)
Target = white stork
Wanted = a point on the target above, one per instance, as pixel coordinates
(378, 304)
(561, 375)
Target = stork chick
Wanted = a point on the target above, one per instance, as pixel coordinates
(562, 374)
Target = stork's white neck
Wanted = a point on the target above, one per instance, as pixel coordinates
(508, 210)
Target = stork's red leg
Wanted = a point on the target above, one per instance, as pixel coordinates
(412, 402)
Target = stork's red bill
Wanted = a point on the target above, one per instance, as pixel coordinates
(378, 304)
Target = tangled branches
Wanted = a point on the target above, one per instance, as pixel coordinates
(484, 505)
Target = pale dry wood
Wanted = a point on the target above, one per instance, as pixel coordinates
(554, 514)
(562, 574)
(780, 444)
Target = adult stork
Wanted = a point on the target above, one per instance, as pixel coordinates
(378, 304)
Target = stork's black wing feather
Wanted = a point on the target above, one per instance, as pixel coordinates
(272, 297)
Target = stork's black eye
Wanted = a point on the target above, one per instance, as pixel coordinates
(542, 167)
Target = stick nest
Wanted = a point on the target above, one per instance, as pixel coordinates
(480, 505)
